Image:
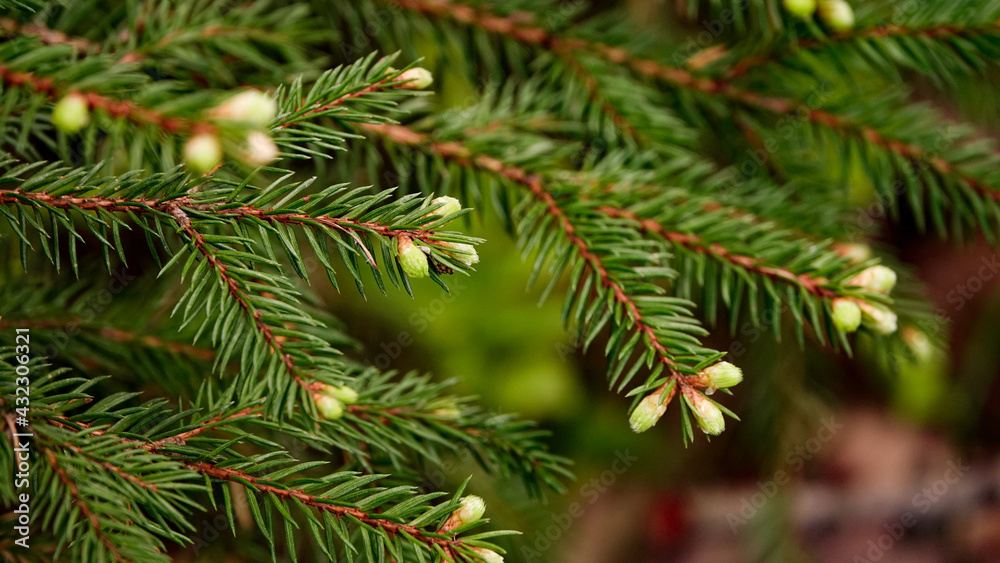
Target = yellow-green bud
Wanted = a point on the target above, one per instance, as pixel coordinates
(416, 78)
(800, 8)
(464, 253)
(853, 251)
(877, 279)
(919, 343)
(649, 411)
(488, 555)
(343, 393)
(708, 415)
(202, 152)
(71, 114)
(837, 14)
(413, 260)
(846, 314)
(249, 107)
(472, 509)
(449, 206)
(328, 407)
(260, 149)
(722, 375)
(880, 319)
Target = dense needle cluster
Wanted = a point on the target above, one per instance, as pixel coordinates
(219, 162)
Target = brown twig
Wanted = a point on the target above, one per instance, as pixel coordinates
(693, 242)
(516, 28)
(84, 508)
(742, 66)
(533, 183)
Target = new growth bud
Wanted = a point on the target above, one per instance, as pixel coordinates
(343, 393)
(260, 149)
(853, 251)
(416, 78)
(471, 510)
(488, 555)
(328, 407)
(71, 114)
(412, 259)
(707, 414)
(722, 375)
(649, 410)
(800, 8)
(846, 314)
(202, 152)
(464, 253)
(880, 319)
(249, 107)
(920, 344)
(837, 14)
(449, 206)
(877, 279)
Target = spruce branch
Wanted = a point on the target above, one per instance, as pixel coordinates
(119, 109)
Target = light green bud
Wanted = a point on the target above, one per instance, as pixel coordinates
(71, 114)
(412, 259)
(837, 14)
(328, 407)
(416, 78)
(846, 314)
(800, 8)
(723, 375)
(706, 413)
(202, 152)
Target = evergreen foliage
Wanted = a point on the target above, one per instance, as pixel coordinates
(129, 141)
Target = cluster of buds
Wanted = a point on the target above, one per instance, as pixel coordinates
(471, 510)
(849, 313)
(240, 120)
(721, 375)
(414, 259)
(837, 14)
(330, 400)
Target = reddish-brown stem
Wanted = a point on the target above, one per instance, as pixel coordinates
(382, 84)
(243, 478)
(694, 243)
(113, 468)
(457, 153)
(236, 292)
(186, 203)
(48, 36)
(122, 109)
(84, 507)
(109, 333)
(322, 505)
(183, 437)
(521, 29)
(743, 65)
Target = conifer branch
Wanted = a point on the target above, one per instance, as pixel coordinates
(813, 285)
(121, 109)
(515, 28)
(949, 31)
(85, 509)
(533, 184)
